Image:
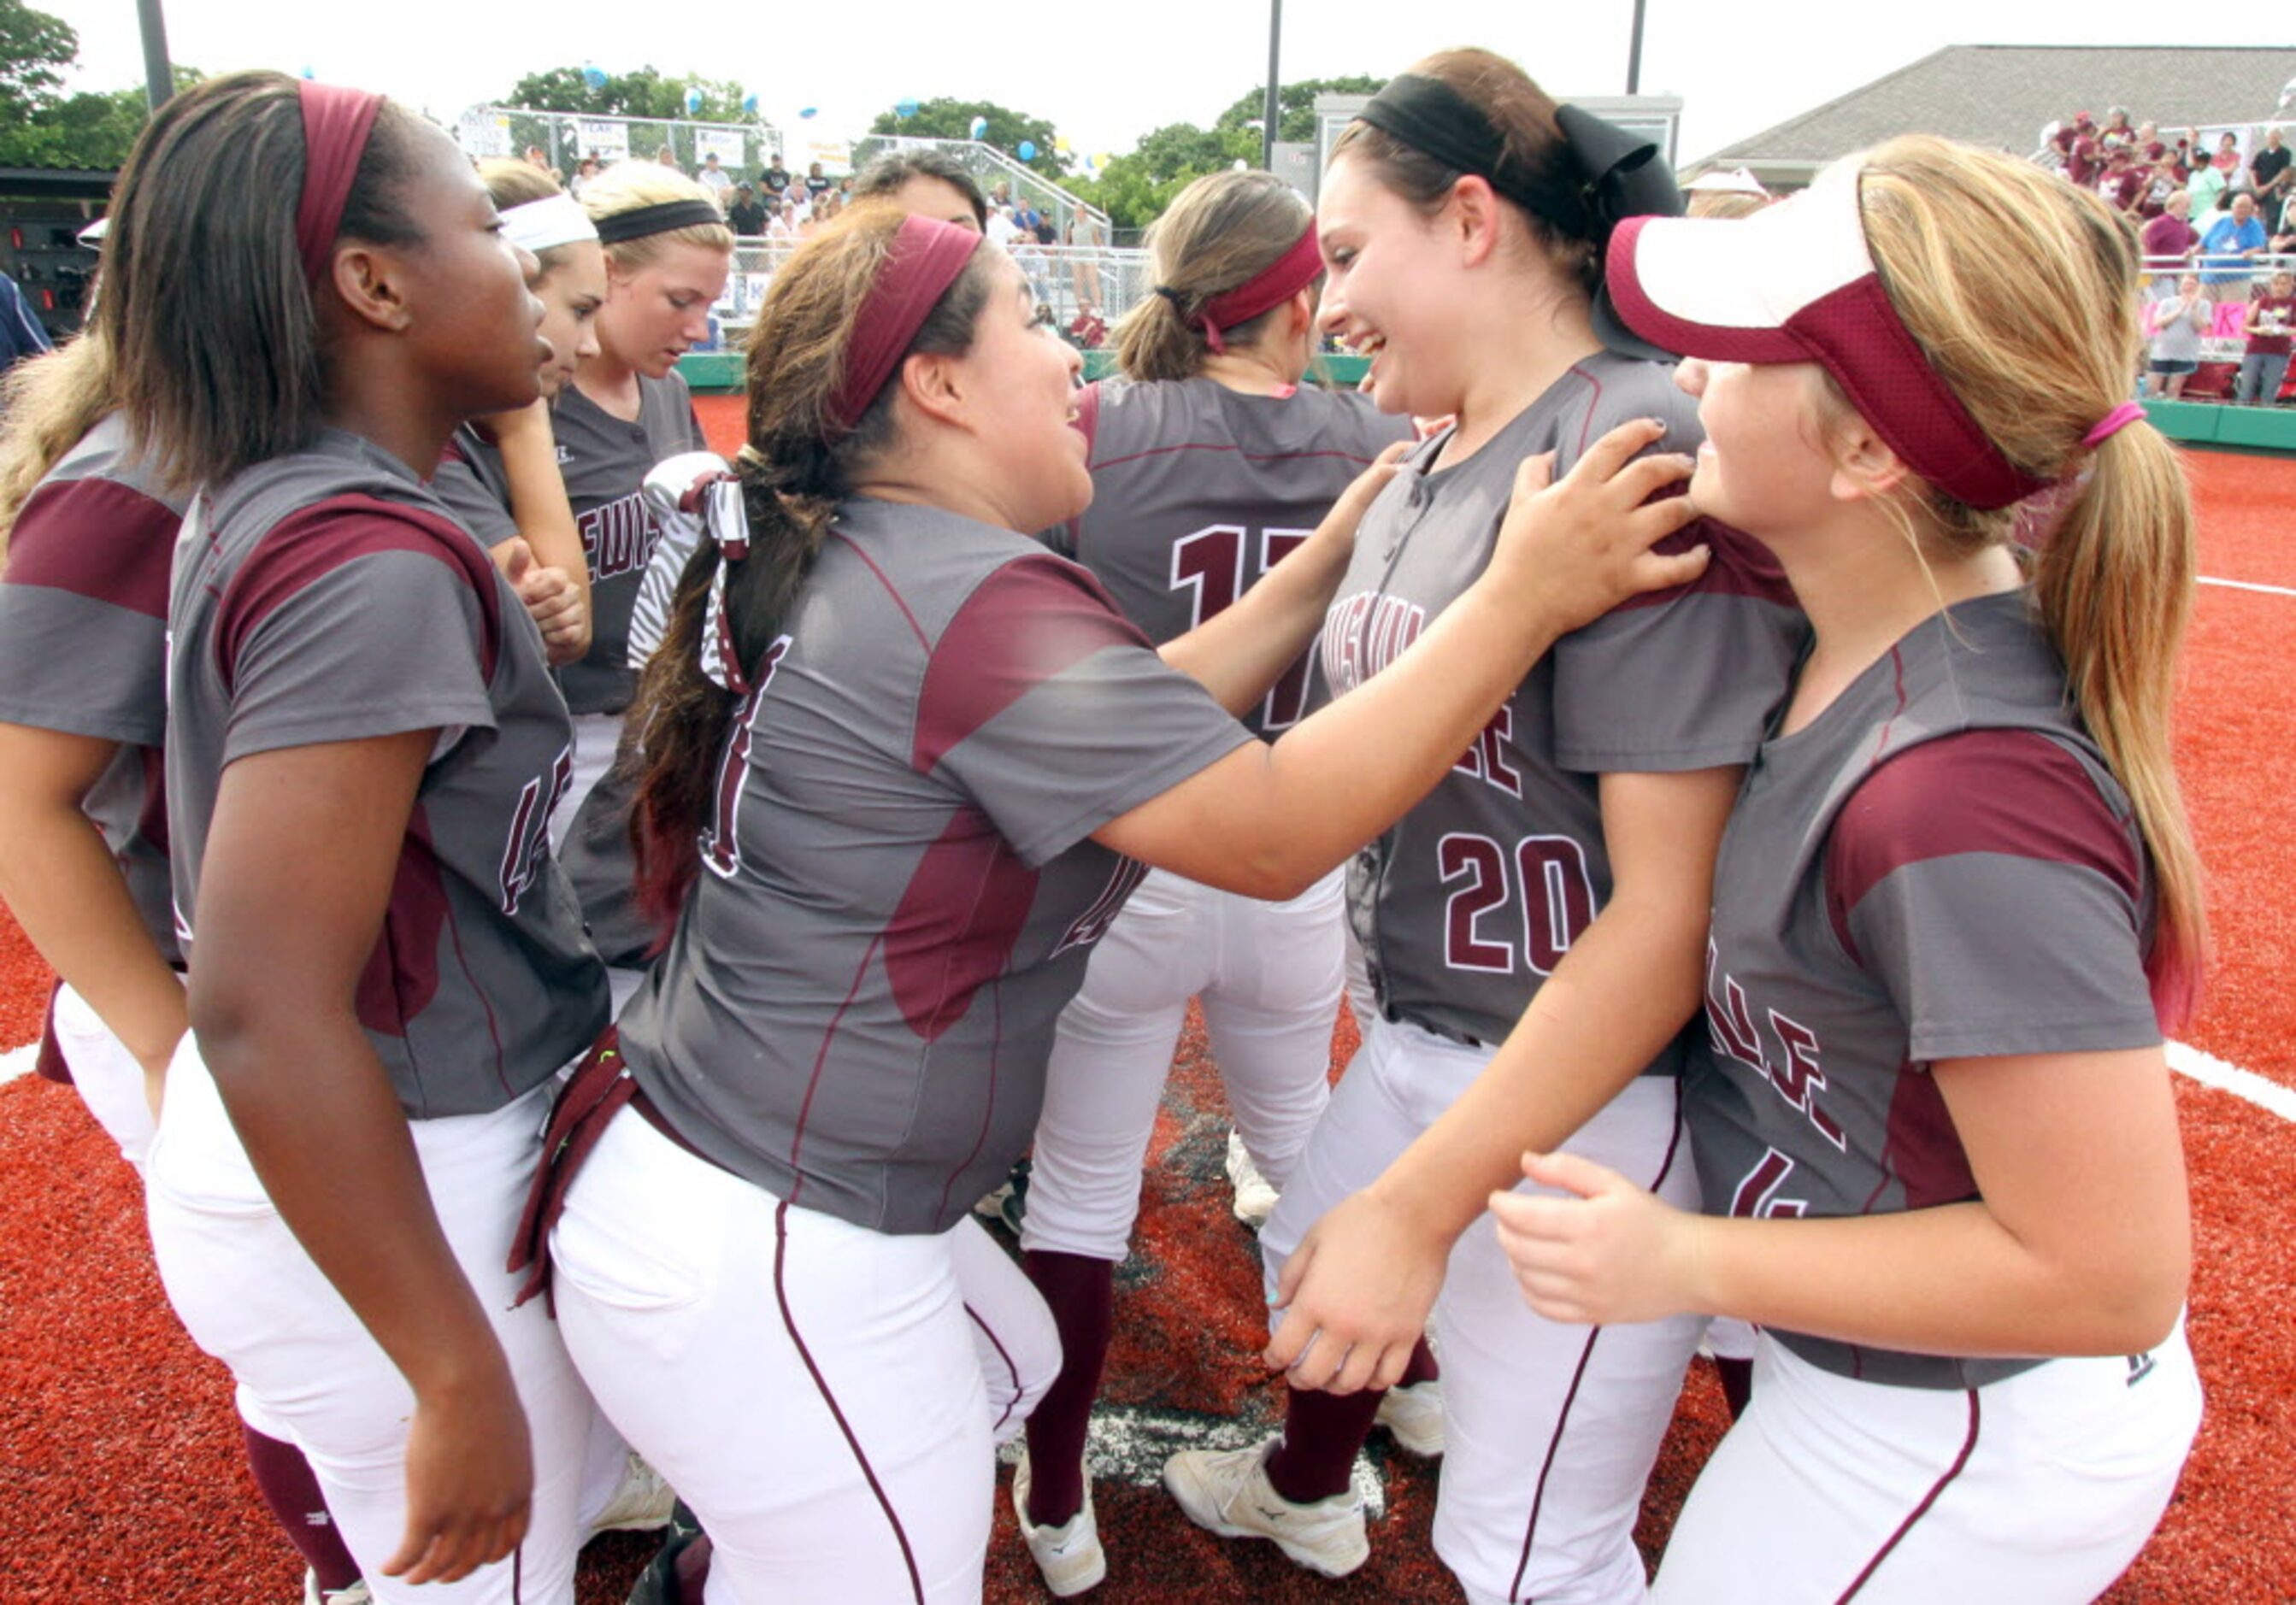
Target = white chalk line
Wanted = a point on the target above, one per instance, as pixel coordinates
(2247, 584)
(19, 1061)
(2210, 1071)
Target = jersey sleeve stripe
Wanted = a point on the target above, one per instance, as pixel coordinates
(1025, 624)
(308, 545)
(95, 538)
(2011, 792)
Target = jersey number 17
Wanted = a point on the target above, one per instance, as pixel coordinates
(1210, 564)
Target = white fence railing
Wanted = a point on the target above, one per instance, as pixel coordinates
(1065, 278)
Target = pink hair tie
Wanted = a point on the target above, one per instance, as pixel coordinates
(2113, 424)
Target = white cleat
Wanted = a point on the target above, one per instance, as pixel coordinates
(312, 1594)
(641, 1502)
(1069, 1556)
(1226, 1491)
(1255, 1200)
(1414, 1417)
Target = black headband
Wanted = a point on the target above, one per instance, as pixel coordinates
(639, 222)
(1611, 173)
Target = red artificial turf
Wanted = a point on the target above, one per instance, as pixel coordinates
(123, 1478)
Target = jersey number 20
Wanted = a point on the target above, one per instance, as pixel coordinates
(1548, 873)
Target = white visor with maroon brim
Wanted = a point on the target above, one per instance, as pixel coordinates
(1795, 283)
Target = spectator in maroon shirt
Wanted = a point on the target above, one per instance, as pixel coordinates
(2081, 155)
(2170, 236)
(2124, 183)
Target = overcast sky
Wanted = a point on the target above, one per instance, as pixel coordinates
(1105, 74)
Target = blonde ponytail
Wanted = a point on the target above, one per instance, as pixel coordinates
(2023, 292)
(50, 404)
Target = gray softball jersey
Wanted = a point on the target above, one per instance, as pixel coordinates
(1939, 865)
(326, 596)
(605, 461)
(1471, 901)
(474, 488)
(898, 893)
(1197, 490)
(84, 641)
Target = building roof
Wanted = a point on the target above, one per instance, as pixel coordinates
(2002, 95)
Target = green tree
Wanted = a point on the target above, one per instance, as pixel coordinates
(1295, 107)
(644, 92)
(35, 47)
(947, 118)
(1134, 188)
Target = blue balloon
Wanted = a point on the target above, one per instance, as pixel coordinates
(749, 105)
(907, 108)
(308, 73)
(810, 111)
(693, 101)
(1028, 151)
(980, 128)
(596, 76)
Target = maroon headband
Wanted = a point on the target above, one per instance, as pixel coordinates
(1271, 286)
(925, 259)
(335, 125)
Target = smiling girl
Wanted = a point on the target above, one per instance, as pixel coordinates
(1956, 909)
(1533, 929)
(902, 766)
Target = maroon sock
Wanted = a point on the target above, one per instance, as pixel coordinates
(1322, 1431)
(1081, 1292)
(1421, 1366)
(284, 1478)
(690, 1571)
(1737, 1384)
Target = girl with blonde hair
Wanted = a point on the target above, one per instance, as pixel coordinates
(1957, 908)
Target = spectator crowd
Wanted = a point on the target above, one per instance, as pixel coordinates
(2212, 215)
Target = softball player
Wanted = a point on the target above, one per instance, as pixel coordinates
(668, 255)
(83, 605)
(902, 766)
(1956, 907)
(500, 477)
(1207, 468)
(363, 734)
(1460, 220)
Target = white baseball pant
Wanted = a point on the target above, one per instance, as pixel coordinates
(597, 737)
(1269, 975)
(1550, 1430)
(250, 1296)
(109, 1078)
(2036, 1489)
(828, 1398)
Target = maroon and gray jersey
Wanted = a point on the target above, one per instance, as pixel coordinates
(1939, 866)
(326, 596)
(898, 892)
(471, 483)
(1471, 901)
(1197, 490)
(84, 641)
(605, 459)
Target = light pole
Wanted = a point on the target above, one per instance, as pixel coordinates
(159, 77)
(1634, 53)
(1273, 111)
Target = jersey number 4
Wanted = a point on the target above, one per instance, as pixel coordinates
(1211, 565)
(1547, 874)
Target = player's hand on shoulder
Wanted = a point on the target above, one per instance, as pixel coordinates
(1580, 545)
(1607, 1252)
(470, 1481)
(1354, 1297)
(1347, 514)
